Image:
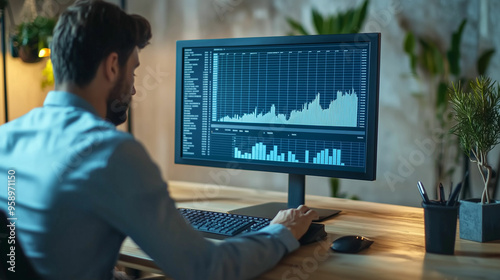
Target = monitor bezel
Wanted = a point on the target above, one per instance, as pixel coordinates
(372, 108)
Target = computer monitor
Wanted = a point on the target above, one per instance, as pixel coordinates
(302, 105)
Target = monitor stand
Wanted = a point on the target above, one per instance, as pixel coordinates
(296, 197)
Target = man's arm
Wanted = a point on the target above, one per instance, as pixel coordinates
(140, 206)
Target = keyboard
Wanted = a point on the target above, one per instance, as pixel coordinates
(222, 225)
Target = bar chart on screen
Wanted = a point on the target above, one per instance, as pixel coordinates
(299, 151)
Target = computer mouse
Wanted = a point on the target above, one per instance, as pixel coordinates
(316, 232)
(351, 244)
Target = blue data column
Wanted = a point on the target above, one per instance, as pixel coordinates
(215, 79)
(262, 151)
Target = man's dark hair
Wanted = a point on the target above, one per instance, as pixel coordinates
(87, 32)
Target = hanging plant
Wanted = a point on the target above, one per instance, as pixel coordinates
(31, 37)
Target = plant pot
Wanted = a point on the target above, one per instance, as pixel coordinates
(29, 53)
(479, 222)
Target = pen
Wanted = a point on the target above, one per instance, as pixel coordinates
(441, 194)
(421, 189)
(454, 195)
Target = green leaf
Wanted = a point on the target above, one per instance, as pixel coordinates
(346, 21)
(438, 60)
(318, 21)
(454, 52)
(336, 25)
(413, 63)
(426, 57)
(409, 48)
(330, 25)
(360, 16)
(409, 43)
(327, 25)
(349, 22)
(442, 96)
(340, 24)
(484, 61)
(297, 27)
(335, 187)
(431, 58)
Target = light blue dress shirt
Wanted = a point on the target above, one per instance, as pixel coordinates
(81, 187)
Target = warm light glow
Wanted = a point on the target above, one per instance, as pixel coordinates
(45, 52)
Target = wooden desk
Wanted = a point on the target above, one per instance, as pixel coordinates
(398, 231)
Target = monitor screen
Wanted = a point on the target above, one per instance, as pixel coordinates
(303, 105)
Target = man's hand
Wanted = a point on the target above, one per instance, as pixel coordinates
(296, 220)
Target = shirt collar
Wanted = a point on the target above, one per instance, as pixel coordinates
(67, 99)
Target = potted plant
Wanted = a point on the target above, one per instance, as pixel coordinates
(346, 22)
(477, 117)
(32, 36)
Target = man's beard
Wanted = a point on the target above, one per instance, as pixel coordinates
(116, 107)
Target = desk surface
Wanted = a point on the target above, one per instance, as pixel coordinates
(398, 231)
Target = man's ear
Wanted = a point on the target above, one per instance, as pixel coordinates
(111, 67)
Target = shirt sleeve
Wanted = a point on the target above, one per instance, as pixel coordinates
(138, 204)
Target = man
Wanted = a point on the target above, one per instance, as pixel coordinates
(82, 186)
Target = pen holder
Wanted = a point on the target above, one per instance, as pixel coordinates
(440, 228)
